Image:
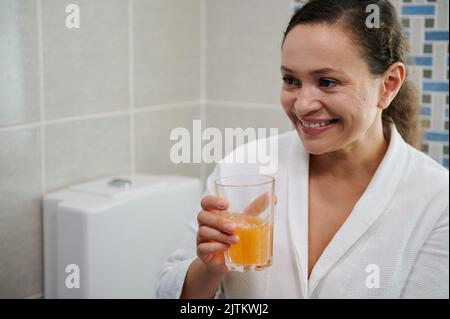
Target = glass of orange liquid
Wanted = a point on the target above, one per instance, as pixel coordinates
(251, 207)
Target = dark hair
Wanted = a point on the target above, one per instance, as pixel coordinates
(380, 47)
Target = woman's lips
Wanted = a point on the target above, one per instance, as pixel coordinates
(316, 130)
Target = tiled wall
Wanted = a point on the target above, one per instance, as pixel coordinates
(80, 104)
(426, 24)
(77, 104)
(243, 59)
(243, 56)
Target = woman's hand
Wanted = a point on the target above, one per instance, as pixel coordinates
(215, 233)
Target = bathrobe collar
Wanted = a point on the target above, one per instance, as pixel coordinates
(366, 211)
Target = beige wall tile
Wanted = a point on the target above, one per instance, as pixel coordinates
(153, 142)
(244, 49)
(20, 214)
(166, 51)
(84, 150)
(19, 80)
(85, 69)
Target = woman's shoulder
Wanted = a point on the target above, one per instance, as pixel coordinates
(427, 178)
(423, 188)
(426, 167)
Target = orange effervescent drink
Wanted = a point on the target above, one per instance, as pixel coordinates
(254, 250)
(251, 201)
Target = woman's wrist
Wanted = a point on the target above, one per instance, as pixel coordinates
(201, 281)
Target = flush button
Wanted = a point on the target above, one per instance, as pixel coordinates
(120, 183)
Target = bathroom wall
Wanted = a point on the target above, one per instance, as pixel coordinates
(426, 24)
(242, 59)
(77, 104)
(243, 56)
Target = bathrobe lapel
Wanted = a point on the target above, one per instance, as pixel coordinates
(297, 194)
(369, 207)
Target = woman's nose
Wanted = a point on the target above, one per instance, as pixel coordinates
(307, 101)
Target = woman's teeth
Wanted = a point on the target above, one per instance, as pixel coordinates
(317, 124)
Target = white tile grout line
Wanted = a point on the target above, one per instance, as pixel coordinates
(203, 61)
(168, 106)
(139, 110)
(131, 84)
(70, 119)
(245, 105)
(40, 41)
(64, 120)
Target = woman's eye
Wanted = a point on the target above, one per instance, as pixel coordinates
(327, 83)
(290, 80)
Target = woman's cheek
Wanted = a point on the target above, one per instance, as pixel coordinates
(287, 101)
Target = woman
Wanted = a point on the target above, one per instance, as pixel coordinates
(360, 212)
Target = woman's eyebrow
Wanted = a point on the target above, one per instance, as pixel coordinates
(283, 68)
(314, 72)
(324, 70)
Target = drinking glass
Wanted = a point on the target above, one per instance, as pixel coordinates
(251, 207)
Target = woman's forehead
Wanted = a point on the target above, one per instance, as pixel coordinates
(319, 46)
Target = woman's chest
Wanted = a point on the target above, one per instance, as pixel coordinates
(329, 206)
(327, 212)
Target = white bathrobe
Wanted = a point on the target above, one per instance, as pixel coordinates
(394, 244)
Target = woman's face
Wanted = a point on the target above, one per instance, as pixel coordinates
(328, 91)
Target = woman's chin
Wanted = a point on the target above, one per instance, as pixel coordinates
(313, 147)
(316, 148)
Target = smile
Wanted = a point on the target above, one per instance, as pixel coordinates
(316, 127)
(317, 124)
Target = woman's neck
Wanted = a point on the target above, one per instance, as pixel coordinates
(360, 159)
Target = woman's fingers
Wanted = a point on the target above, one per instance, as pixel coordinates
(259, 204)
(211, 248)
(216, 221)
(214, 203)
(206, 234)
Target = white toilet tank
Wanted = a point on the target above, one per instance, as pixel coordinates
(112, 235)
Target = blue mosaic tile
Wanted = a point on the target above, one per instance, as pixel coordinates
(418, 10)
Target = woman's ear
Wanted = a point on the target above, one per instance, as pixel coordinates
(393, 79)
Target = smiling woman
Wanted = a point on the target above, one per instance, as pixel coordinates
(361, 213)
(355, 66)
(336, 86)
